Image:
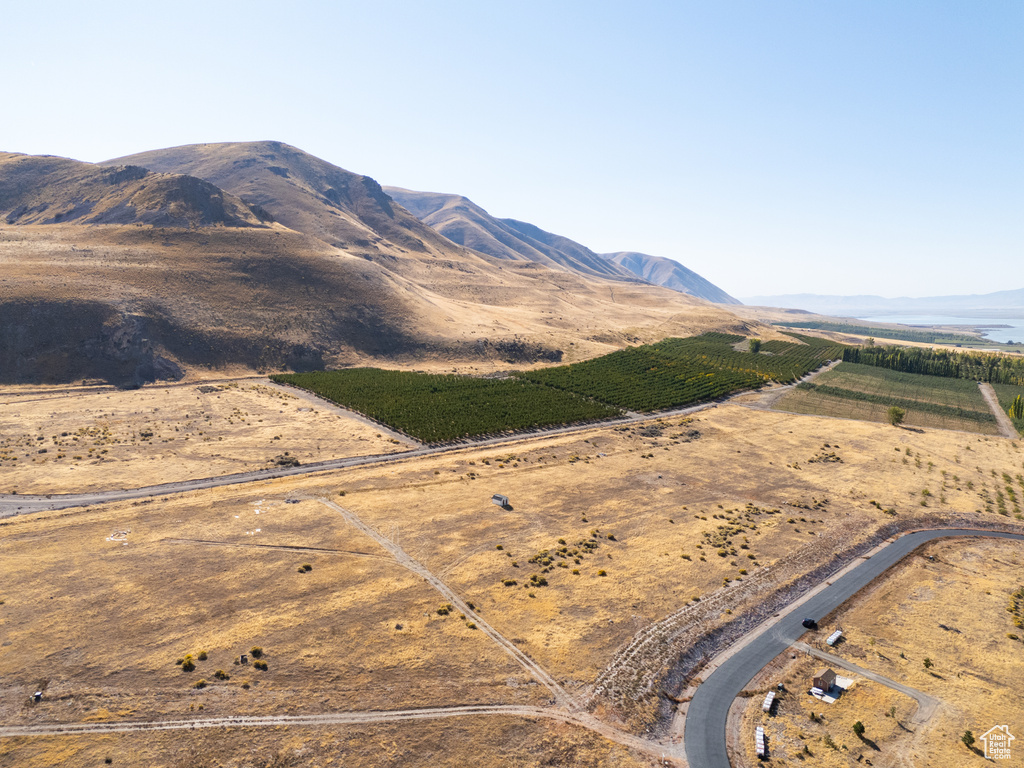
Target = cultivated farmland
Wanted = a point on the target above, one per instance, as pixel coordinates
(866, 393)
(1006, 394)
(438, 407)
(677, 372)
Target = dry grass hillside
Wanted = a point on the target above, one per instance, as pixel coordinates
(54, 190)
(134, 304)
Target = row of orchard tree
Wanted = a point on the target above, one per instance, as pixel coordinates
(977, 366)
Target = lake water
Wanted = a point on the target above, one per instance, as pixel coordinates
(1015, 331)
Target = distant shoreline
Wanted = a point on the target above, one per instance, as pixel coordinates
(999, 332)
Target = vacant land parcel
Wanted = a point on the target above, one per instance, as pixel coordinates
(684, 518)
(863, 392)
(54, 442)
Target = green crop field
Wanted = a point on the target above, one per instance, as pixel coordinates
(977, 366)
(866, 393)
(439, 408)
(672, 373)
(677, 372)
(1006, 394)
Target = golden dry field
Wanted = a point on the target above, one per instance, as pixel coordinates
(55, 441)
(948, 603)
(100, 603)
(488, 742)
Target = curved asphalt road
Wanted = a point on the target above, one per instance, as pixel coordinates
(706, 716)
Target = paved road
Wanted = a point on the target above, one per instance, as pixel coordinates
(705, 738)
(926, 705)
(1006, 427)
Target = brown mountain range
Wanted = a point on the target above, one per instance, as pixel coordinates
(308, 265)
(464, 222)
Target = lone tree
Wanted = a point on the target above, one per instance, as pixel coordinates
(858, 728)
(896, 415)
(755, 347)
(967, 739)
(927, 663)
(1017, 408)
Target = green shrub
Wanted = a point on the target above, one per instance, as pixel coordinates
(199, 684)
(256, 652)
(202, 656)
(220, 674)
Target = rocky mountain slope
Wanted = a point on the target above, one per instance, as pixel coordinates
(464, 222)
(346, 210)
(671, 274)
(55, 190)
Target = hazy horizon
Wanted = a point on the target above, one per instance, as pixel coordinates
(773, 149)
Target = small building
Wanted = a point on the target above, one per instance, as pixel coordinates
(825, 679)
(501, 501)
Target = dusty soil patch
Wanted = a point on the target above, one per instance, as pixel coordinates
(488, 742)
(63, 442)
(99, 624)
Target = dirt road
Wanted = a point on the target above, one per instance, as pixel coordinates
(1006, 428)
(926, 705)
(348, 718)
(17, 504)
(402, 558)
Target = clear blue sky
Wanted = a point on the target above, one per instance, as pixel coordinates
(835, 146)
